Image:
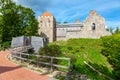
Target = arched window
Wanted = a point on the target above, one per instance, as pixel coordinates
(93, 26)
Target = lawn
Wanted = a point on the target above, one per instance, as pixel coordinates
(89, 50)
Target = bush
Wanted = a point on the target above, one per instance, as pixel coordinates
(50, 50)
(5, 45)
(111, 49)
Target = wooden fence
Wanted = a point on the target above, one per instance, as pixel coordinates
(18, 55)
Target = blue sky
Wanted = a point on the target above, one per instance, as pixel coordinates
(70, 10)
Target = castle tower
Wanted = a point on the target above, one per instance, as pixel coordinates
(46, 26)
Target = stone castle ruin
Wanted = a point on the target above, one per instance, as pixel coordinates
(92, 27)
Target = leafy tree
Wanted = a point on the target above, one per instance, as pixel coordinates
(28, 23)
(117, 30)
(1, 23)
(10, 19)
(110, 29)
(65, 22)
(16, 20)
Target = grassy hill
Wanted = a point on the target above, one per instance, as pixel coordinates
(89, 50)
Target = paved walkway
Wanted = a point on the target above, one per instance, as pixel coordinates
(10, 71)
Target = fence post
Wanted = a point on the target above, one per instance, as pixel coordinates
(37, 61)
(20, 57)
(68, 65)
(67, 77)
(28, 59)
(51, 64)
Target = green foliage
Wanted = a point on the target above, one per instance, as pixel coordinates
(10, 19)
(111, 30)
(111, 49)
(1, 24)
(65, 22)
(117, 30)
(16, 20)
(27, 21)
(50, 50)
(5, 45)
(89, 50)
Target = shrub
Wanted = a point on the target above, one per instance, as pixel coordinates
(111, 49)
(5, 45)
(50, 50)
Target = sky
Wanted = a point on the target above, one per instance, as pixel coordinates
(70, 10)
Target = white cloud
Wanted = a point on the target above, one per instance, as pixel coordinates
(69, 10)
(36, 5)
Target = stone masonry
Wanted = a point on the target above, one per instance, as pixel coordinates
(46, 26)
(92, 27)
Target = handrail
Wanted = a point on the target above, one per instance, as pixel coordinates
(18, 55)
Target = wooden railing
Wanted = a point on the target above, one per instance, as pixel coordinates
(21, 48)
(18, 55)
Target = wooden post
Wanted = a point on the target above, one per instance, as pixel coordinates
(68, 65)
(67, 77)
(37, 61)
(28, 60)
(20, 57)
(51, 64)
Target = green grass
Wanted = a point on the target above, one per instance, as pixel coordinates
(88, 50)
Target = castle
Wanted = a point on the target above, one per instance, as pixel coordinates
(92, 27)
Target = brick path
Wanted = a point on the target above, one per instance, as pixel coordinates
(10, 71)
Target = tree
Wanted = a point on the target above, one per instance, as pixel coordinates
(117, 30)
(10, 19)
(65, 22)
(28, 22)
(1, 23)
(110, 29)
(16, 20)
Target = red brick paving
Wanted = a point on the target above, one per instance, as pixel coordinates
(10, 71)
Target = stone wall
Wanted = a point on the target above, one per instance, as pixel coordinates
(87, 31)
(99, 24)
(47, 27)
(61, 38)
(92, 27)
(36, 42)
